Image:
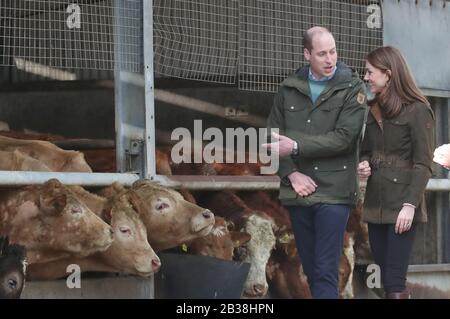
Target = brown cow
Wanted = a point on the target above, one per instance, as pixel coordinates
(56, 159)
(170, 219)
(355, 225)
(286, 247)
(52, 223)
(130, 251)
(18, 161)
(260, 227)
(220, 243)
(104, 161)
(286, 276)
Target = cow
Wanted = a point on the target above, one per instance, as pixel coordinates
(286, 276)
(104, 161)
(260, 228)
(12, 269)
(355, 226)
(170, 219)
(55, 158)
(220, 243)
(18, 161)
(130, 251)
(286, 259)
(52, 223)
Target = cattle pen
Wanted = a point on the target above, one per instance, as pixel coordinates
(123, 76)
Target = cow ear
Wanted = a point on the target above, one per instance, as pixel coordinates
(239, 238)
(52, 184)
(107, 215)
(52, 204)
(136, 202)
(118, 188)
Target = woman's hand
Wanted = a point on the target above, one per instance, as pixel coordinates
(364, 169)
(404, 219)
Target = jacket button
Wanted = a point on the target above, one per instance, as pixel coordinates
(345, 167)
(308, 121)
(292, 107)
(395, 180)
(316, 168)
(350, 85)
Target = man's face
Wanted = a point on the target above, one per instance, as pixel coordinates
(323, 56)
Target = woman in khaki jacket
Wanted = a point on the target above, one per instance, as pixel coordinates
(396, 157)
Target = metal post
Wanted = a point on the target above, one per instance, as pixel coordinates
(439, 197)
(446, 203)
(129, 95)
(149, 164)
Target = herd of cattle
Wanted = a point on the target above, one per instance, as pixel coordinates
(117, 229)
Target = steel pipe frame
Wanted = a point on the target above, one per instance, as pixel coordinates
(190, 182)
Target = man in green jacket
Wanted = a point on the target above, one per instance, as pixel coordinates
(319, 111)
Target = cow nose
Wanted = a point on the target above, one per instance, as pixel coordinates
(156, 264)
(259, 289)
(207, 214)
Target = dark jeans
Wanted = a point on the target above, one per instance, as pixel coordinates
(391, 252)
(319, 235)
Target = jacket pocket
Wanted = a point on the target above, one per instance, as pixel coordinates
(333, 104)
(397, 176)
(395, 184)
(292, 108)
(334, 178)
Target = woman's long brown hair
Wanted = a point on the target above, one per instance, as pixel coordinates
(401, 88)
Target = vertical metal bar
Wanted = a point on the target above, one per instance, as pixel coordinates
(446, 202)
(129, 92)
(442, 199)
(149, 165)
(119, 107)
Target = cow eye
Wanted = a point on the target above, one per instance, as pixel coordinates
(12, 283)
(125, 230)
(76, 210)
(161, 206)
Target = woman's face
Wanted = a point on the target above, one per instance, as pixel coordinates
(376, 78)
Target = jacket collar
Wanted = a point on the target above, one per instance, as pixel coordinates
(299, 79)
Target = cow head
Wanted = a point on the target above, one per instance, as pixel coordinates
(12, 269)
(257, 252)
(130, 252)
(220, 243)
(169, 218)
(54, 219)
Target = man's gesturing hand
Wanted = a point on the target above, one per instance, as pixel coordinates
(302, 184)
(283, 145)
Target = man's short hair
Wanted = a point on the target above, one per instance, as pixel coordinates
(310, 33)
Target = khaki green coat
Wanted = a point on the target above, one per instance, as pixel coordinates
(400, 156)
(327, 132)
